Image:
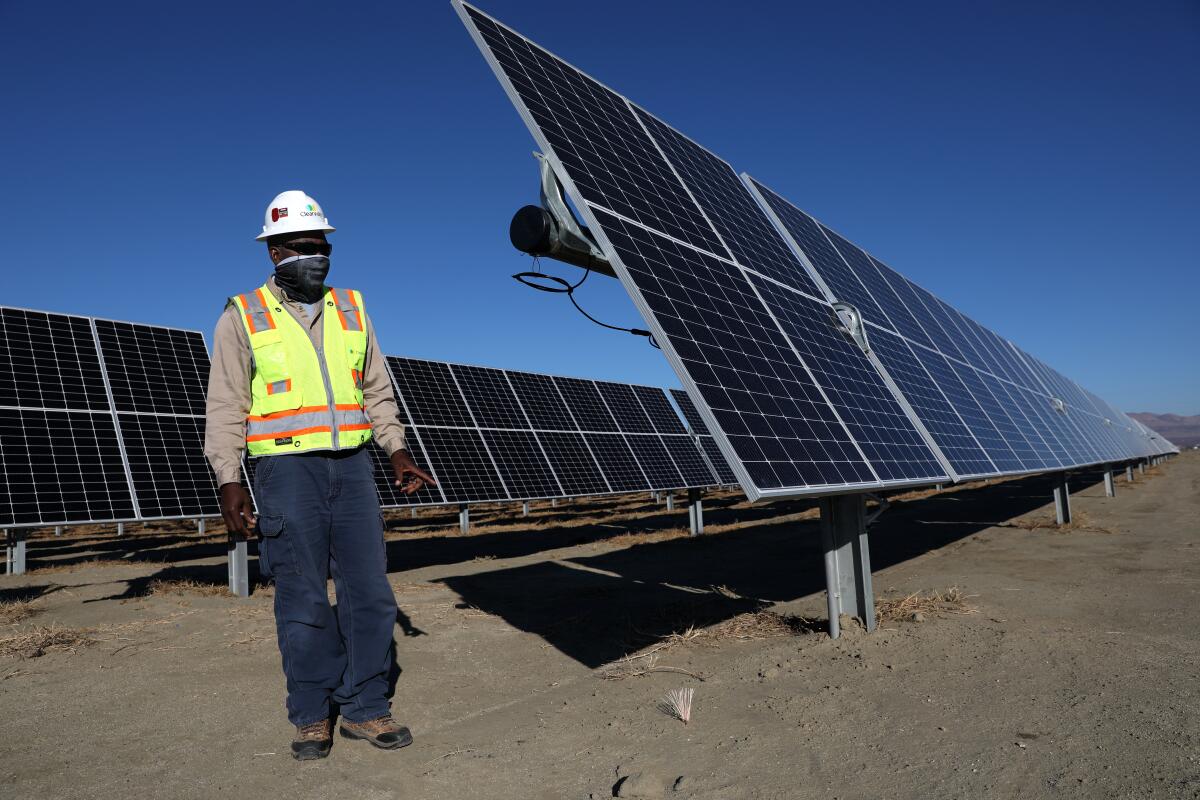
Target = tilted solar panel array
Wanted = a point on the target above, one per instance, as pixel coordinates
(490, 434)
(741, 301)
(100, 421)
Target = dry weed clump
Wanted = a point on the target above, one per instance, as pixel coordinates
(13, 611)
(187, 587)
(950, 601)
(756, 625)
(678, 704)
(39, 640)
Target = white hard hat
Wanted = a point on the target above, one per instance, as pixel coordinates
(292, 212)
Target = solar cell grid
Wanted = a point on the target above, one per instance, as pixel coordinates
(541, 401)
(936, 412)
(608, 155)
(780, 426)
(166, 459)
(154, 369)
(688, 460)
(49, 361)
(472, 476)
(60, 467)
(429, 392)
(658, 408)
(876, 421)
(523, 466)
(587, 406)
(745, 230)
(489, 397)
(572, 462)
(656, 462)
(617, 462)
(625, 408)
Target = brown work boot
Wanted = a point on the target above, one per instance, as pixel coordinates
(312, 741)
(384, 733)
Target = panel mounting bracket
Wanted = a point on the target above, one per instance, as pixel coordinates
(851, 323)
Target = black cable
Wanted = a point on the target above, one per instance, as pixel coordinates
(562, 286)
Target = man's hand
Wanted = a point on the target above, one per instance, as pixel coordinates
(417, 478)
(237, 510)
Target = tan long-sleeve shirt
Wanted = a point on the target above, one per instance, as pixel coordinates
(229, 388)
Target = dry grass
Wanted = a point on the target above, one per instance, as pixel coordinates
(93, 563)
(756, 625)
(39, 640)
(950, 601)
(14, 611)
(1080, 521)
(187, 587)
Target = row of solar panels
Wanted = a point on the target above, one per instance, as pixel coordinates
(738, 286)
(104, 421)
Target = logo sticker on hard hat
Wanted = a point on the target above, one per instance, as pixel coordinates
(312, 211)
(277, 213)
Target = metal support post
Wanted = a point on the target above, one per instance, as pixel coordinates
(1062, 499)
(847, 560)
(525, 509)
(1110, 487)
(695, 513)
(553, 502)
(464, 518)
(1129, 473)
(239, 567)
(412, 512)
(120, 529)
(200, 526)
(670, 501)
(58, 530)
(939, 486)
(654, 496)
(14, 553)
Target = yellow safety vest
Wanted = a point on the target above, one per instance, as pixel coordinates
(302, 399)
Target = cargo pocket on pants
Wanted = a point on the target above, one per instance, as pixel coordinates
(276, 555)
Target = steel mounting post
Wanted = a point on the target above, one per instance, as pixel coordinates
(525, 509)
(1110, 486)
(239, 567)
(670, 501)
(14, 552)
(847, 561)
(200, 526)
(120, 529)
(695, 512)
(1129, 473)
(1062, 499)
(58, 530)
(464, 518)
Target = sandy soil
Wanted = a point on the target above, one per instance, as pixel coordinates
(534, 654)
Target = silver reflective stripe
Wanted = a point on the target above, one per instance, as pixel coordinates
(257, 311)
(295, 422)
(346, 307)
(312, 419)
(277, 387)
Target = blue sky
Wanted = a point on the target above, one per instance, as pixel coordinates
(1034, 164)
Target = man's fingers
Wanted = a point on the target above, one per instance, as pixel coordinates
(423, 475)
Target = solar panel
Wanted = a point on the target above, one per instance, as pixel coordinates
(704, 439)
(101, 421)
(491, 434)
(696, 252)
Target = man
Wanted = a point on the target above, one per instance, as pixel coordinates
(298, 380)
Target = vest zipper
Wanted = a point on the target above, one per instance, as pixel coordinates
(333, 426)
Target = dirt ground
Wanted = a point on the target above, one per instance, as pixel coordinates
(534, 654)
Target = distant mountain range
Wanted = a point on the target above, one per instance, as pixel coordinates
(1183, 431)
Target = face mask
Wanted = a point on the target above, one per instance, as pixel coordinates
(303, 277)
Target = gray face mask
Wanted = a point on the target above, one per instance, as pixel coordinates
(303, 277)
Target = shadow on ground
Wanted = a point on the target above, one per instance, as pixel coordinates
(596, 609)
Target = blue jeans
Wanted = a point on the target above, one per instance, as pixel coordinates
(318, 515)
